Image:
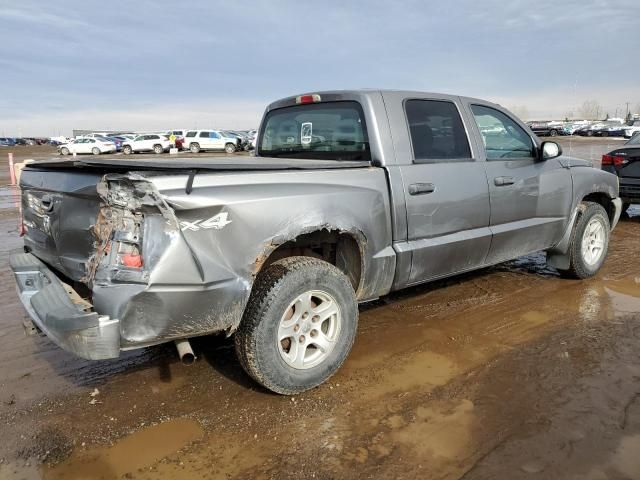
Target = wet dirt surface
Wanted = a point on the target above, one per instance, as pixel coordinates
(511, 372)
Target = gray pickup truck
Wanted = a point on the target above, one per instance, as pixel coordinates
(351, 195)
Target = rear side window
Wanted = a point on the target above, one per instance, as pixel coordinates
(191, 134)
(503, 138)
(437, 131)
(204, 135)
(330, 130)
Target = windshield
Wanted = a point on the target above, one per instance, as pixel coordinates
(331, 130)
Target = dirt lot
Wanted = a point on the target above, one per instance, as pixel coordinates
(507, 373)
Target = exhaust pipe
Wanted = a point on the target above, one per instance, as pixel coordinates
(185, 352)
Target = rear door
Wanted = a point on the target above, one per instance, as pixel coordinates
(204, 140)
(216, 141)
(530, 199)
(445, 186)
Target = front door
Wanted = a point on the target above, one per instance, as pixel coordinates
(530, 199)
(446, 193)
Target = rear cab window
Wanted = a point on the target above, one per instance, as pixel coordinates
(328, 130)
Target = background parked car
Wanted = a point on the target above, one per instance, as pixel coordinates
(609, 128)
(7, 142)
(96, 146)
(544, 129)
(197, 140)
(147, 143)
(625, 163)
(631, 129)
(242, 137)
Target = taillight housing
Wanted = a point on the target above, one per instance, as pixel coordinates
(615, 160)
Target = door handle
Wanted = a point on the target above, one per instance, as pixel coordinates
(502, 181)
(421, 188)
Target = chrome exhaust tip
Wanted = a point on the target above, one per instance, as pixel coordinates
(185, 352)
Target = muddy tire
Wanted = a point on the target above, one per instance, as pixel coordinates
(194, 147)
(127, 150)
(64, 151)
(157, 149)
(589, 241)
(230, 148)
(299, 325)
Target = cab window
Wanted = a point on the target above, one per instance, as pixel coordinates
(437, 132)
(503, 138)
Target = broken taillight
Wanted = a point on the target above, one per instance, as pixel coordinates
(131, 260)
(616, 160)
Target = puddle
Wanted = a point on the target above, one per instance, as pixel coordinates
(627, 458)
(130, 454)
(435, 433)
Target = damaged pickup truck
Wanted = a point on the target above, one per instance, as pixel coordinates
(352, 194)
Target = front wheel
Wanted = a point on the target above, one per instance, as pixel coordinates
(589, 242)
(230, 148)
(299, 325)
(64, 151)
(553, 133)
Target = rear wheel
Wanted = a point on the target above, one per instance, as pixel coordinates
(194, 147)
(230, 148)
(95, 151)
(127, 150)
(589, 241)
(553, 133)
(158, 149)
(299, 325)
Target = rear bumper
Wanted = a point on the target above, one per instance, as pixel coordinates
(57, 310)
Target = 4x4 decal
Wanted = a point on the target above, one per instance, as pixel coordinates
(216, 222)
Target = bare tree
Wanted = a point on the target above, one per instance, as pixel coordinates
(590, 110)
(520, 111)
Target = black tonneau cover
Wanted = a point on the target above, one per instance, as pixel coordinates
(200, 163)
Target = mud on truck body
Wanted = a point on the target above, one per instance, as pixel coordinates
(352, 194)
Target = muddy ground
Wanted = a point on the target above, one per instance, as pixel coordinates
(507, 373)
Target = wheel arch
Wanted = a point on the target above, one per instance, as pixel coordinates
(605, 201)
(343, 249)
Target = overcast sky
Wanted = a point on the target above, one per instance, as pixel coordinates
(150, 64)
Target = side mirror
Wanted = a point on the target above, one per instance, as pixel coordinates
(549, 150)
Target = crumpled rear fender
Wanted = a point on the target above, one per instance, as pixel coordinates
(204, 249)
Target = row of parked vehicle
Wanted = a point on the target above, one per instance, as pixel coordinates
(13, 141)
(605, 128)
(229, 141)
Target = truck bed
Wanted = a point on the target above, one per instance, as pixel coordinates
(236, 163)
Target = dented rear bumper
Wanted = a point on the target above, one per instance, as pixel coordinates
(58, 311)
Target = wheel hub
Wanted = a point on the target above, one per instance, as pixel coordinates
(593, 241)
(309, 329)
